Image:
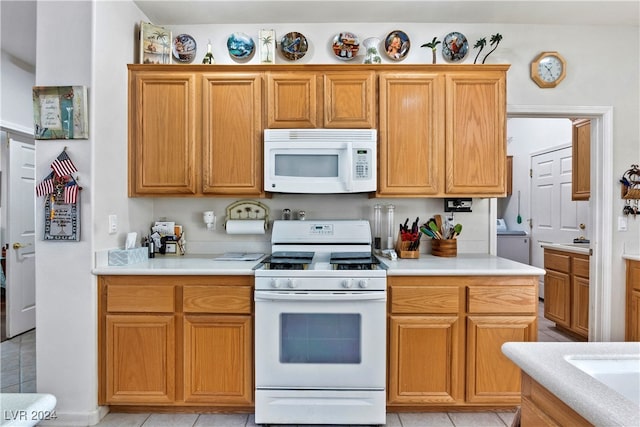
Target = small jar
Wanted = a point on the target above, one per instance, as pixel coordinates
(286, 214)
(302, 215)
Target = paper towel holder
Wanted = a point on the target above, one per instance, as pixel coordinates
(247, 210)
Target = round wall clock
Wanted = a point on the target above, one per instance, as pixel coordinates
(548, 69)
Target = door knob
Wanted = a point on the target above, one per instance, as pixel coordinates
(17, 246)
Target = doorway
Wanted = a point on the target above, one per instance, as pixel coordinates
(600, 311)
(17, 219)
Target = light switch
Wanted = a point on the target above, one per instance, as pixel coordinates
(113, 224)
(622, 223)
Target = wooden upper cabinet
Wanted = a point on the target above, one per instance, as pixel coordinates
(232, 133)
(411, 133)
(350, 99)
(475, 133)
(339, 99)
(163, 148)
(581, 160)
(443, 133)
(292, 100)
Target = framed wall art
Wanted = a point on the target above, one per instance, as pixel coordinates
(60, 112)
(155, 44)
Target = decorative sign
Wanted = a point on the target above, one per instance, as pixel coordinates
(62, 204)
(60, 112)
(61, 220)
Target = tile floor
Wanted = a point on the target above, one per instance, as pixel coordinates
(18, 374)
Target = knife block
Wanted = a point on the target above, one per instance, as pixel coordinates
(444, 247)
(402, 249)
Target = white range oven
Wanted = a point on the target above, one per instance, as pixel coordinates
(320, 326)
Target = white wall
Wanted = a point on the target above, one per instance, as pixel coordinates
(94, 46)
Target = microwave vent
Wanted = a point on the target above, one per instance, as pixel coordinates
(313, 135)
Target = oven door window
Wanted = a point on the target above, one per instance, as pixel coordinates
(320, 338)
(307, 165)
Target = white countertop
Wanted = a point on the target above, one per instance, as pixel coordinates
(191, 265)
(460, 265)
(26, 409)
(426, 265)
(577, 248)
(545, 362)
(631, 256)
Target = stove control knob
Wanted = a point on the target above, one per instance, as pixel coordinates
(275, 283)
(292, 283)
(347, 283)
(363, 283)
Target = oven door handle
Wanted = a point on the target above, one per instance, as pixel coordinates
(319, 296)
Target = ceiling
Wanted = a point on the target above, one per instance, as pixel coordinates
(572, 12)
(19, 17)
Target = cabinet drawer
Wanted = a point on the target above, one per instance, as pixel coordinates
(424, 299)
(216, 299)
(502, 299)
(580, 266)
(557, 261)
(140, 298)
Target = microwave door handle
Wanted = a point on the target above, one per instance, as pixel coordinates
(349, 167)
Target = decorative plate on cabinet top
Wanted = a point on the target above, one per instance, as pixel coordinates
(293, 45)
(455, 47)
(345, 46)
(240, 45)
(184, 48)
(397, 45)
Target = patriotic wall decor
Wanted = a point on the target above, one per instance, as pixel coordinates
(62, 207)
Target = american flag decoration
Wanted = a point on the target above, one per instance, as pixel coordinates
(71, 192)
(63, 165)
(46, 186)
(60, 181)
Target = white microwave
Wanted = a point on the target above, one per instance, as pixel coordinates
(322, 161)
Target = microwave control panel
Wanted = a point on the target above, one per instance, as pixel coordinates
(362, 163)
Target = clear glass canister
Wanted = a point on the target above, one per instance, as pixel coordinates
(390, 226)
(377, 227)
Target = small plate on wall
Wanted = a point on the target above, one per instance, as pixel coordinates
(184, 48)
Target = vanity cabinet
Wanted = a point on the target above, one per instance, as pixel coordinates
(175, 341)
(443, 133)
(445, 338)
(566, 291)
(581, 160)
(632, 316)
(188, 131)
(318, 99)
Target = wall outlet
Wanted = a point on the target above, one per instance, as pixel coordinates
(622, 223)
(113, 224)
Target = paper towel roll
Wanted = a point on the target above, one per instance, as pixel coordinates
(245, 226)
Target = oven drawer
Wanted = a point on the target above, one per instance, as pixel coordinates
(216, 299)
(424, 299)
(140, 298)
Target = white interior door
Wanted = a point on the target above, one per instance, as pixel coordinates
(21, 255)
(555, 217)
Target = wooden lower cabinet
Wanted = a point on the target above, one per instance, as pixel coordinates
(632, 316)
(542, 408)
(491, 376)
(424, 360)
(566, 291)
(140, 358)
(217, 359)
(445, 339)
(176, 341)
